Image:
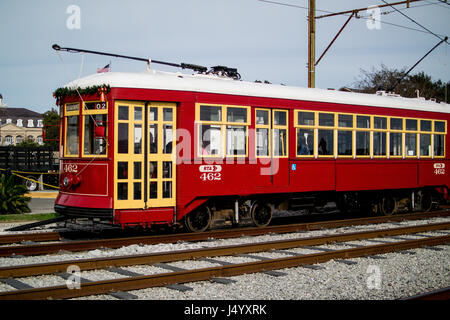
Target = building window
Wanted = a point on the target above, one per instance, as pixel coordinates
(19, 122)
(30, 123)
(8, 140)
(19, 139)
(40, 140)
(39, 123)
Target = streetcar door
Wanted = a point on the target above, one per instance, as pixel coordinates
(129, 155)
(144, 166)
(161, 154)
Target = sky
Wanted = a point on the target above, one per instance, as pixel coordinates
(263, 40)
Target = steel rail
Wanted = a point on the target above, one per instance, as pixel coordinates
(180, 255)
(440, 294)
(204, 274)
(74, 246)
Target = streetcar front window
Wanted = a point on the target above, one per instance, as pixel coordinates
(94, 144)
(72, 138)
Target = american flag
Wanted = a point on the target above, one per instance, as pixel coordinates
(104, 69)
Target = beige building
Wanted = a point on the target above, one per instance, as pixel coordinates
(19, 124)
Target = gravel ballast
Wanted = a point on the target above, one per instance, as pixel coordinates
(398, 275)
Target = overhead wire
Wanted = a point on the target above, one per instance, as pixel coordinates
(411, 19)
(360, 17)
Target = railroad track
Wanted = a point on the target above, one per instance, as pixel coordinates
(75, 246)
(134, 281)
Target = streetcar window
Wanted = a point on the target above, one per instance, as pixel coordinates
(363, 122)
(167, 138)
(210, 139)
(122, 143)
(262, 142)
(411, 125)
(279, 118)
(167, 114)
(137, 139)
(396, 124)
(379, 143)
(306, 118)
(425, 144)
(123, 113)
(439, 126)
(210, 113)
(137, 191)
(395, 144)
(345, 143)
(379, 123)
(72, 135)
(326, 119)
(326, 142)
(237, 115)
(236, 140)
(153, 138)
(279, 142)
(167, 189)
(122, 191)
(153, 114)
(425, 125)
(410, 144)
(362, 143)
(345, 121)
(262, 117)
(305, 142)
(94, 145)
(122, 170)
(138, 113)
(439, 141)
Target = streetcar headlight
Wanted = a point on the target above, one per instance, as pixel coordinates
(66, 182)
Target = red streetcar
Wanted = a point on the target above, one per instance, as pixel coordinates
(158, 148)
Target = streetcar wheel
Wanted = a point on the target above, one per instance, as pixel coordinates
(31, 185)
(261, 214)
(198, 220)
(426, 201)
(388, 205)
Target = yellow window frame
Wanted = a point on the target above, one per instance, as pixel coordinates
(369, 130)
(223, 123)
(280, 127)
(71, 113)
(306, 127)
(343, 128)
(373, 130)
(86, 112)
(269, 131)
(322, 127)
(434, 132)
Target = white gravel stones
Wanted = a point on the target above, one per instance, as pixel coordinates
(397, 276)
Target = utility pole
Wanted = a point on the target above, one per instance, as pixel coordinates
(312, 44)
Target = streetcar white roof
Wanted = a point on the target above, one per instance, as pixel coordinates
(213, 84)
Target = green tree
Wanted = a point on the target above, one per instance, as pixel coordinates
(12, 196)
(51, 128)
(386, 79)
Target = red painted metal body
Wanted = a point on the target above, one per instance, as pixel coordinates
(96, 186)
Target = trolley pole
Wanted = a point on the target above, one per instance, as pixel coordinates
(312, 44)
